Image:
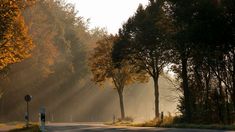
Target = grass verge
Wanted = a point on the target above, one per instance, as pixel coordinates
(33, 128)
(184, 125)
(202, 126)
(170, 122)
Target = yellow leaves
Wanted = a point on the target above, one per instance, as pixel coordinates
(11, 2)
(50, 54)
(15, 43)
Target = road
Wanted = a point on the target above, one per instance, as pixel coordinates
(99, 127)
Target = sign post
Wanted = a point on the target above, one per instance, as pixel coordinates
(27, 98)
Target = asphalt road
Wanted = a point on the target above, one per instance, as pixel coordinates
(99, 127)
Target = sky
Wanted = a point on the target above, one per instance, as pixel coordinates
(109, 14)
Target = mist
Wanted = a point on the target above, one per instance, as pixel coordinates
(58, 77)
(86, 102)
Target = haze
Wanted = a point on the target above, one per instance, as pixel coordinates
(57, 74)
(145, 63)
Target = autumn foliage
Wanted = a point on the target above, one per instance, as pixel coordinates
(15, 43)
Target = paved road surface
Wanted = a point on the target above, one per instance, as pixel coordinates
(99, 127)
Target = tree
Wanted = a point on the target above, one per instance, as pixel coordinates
(104, 69)
(15, 43)
(146, 47)
(58, 63)
(203, 42)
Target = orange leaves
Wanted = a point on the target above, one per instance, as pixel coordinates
(101, 61)
(15, 43)
(50, 55)
(103, 68)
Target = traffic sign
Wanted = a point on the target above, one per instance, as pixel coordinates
(27, 98)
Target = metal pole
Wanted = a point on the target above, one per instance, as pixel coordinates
(27, 125)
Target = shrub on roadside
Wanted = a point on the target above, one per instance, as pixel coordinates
(126, 119)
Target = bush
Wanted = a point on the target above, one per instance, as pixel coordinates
(167, 120)
(126, 119)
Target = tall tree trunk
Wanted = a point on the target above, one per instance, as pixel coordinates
(217, 99)
(221, 101)
(120, 93)
(207, 81)
(233, 78)
(156, 94)
(233, 53)
(228, 121)
(187, 101)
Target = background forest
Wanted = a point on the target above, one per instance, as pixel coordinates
(57, 75)
(196, 40)
(167, 50)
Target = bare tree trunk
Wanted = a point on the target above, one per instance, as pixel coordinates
(233, 78)
(228, 121)
(217, 96)
(221, 101)
(207, 81)
(156, 94)
(233, 72)
(120, 93)
(187, 101)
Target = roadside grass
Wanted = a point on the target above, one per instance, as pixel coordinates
(185, 125)
(11, 125)
(20, 126)
(167, 121)
(32, 128)
(170, 121)
(119, 123)
(127, 121)
(2, 125)
(202, 126)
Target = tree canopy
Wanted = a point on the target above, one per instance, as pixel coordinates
(104, 69)
(144, 43)
(15, 42)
